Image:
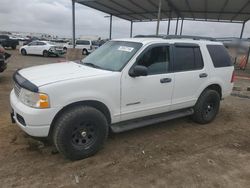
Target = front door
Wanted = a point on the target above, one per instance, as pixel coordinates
(31, 47)
(151, 94)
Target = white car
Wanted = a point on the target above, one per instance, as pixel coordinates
(87, 46)
(125, 84)
(44, 48)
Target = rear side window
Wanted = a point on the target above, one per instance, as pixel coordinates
(83, 42)
(187, 58)
(219, 55)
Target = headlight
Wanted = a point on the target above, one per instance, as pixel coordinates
(35, 100)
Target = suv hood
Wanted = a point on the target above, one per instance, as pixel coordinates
(47, 74)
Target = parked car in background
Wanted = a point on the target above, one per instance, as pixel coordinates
(44, 48)
(3, 59)
(6, 41)
(87, 46)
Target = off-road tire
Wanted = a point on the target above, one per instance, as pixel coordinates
(65, 133)
(207, 107)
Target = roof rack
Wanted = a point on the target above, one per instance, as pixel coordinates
(176, 37)
(149, 36)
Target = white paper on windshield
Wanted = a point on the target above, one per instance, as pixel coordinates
(125, 48)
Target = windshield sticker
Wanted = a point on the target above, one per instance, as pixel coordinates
(125, 48)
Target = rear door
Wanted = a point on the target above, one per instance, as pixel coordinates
(190, 74)
(40, 48)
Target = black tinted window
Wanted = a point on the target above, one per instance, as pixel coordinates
(219, 55)
(40, 43)
(32, 44)
(156, 59)
(83, 42)
(187, 58)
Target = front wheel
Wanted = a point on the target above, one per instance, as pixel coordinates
(80, 132)
(23, 52)
(206, 107)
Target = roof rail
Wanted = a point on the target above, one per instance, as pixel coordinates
(176, 37)
(149, 36)
(188, 37)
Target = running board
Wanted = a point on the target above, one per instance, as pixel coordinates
(149, 120)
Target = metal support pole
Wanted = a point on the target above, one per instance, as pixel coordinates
(110, 27)
(169, 22)
(158, 19)
(177, 23)
(242, 30)
(131, 29)
(73, 24)
(181, 26)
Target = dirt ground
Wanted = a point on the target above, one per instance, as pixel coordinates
(178, 153)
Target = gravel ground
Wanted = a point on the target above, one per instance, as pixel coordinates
(177, 153)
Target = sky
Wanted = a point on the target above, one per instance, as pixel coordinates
(55, 17)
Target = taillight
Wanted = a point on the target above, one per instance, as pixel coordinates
(233, 77)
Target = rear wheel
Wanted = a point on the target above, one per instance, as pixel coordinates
(80, 132)
(84, 52)
(23, 52)
(206, 107)
(45, 53)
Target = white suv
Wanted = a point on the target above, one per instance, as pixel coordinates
(87, 46)
(125, 84)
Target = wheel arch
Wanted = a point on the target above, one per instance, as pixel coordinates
(215, 87)
(93, 103)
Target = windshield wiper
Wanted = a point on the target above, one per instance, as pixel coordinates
(92, 65)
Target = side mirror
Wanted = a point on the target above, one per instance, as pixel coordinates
(138, 70)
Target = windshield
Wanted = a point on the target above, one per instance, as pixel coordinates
(113, 55)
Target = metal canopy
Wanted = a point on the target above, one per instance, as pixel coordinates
(147, 10)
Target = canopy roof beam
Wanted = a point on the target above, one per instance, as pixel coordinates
(239, 12)
(223, 8)
(147, 10)
(190, 9)
(174, 8)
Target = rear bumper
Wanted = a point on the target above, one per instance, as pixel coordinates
(35, 122)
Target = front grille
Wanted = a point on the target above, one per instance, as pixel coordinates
(17, 89)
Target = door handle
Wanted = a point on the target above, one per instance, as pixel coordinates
(203, 75)
(165, 80)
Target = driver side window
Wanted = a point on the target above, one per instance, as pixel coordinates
(156, 59)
